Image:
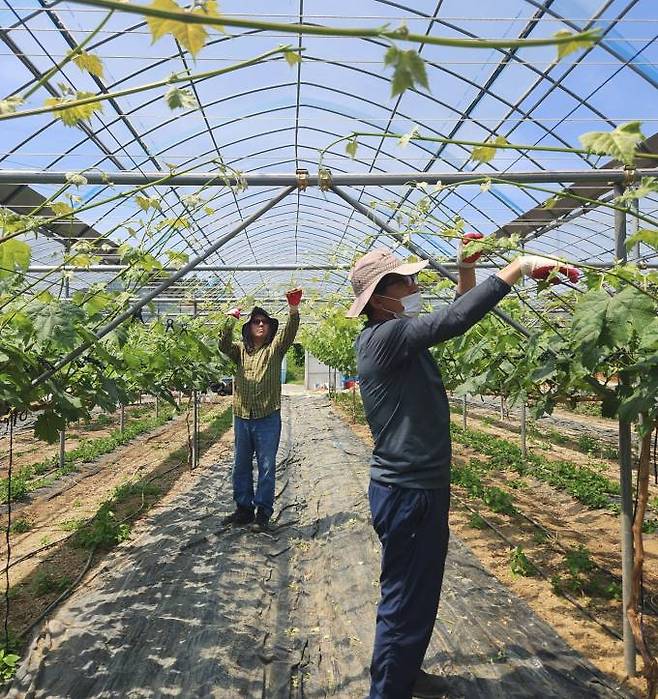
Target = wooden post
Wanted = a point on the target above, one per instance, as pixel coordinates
(122, 419)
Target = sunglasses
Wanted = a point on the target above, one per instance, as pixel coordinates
(408, 280)
(260, 321)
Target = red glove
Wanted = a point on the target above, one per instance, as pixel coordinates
(294, 296)
(235, 312)
(540, 268)
(469, 260)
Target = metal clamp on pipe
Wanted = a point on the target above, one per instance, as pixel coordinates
(630, 175)
(324, 179)
(302, 179)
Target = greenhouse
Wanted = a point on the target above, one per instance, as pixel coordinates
(297, 300)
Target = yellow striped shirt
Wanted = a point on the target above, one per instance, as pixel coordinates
(257, 382)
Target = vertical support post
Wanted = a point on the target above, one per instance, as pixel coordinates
(524, 428)
(464, 411)
(62, 448)
(195, 415)
(157, 407)
(122, 419)
(634, 227)
(625, 481)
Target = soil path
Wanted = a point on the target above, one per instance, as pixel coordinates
(188, 608)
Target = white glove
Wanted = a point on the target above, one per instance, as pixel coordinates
(540, 268)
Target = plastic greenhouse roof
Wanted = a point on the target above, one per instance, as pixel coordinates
(274, 118)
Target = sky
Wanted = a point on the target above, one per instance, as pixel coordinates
(275, 118)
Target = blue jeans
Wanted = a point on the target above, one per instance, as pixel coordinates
(412, 526)
(260, 436)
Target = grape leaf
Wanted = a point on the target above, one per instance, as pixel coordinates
(628, 309)
(571, 46)
(408, 70)
(351, 147)
(588, 322)
(485, 154)
(292, 57)
(61, 208)
(644, 235)
(619, 143)
(192, 36)
(89, 62)
(14, 255)
(73, 115)
(180, 98)
(10, 104)
(48, 425)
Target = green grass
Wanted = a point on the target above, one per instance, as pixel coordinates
(20, 526)
(107, 528)
(32, 477)
(581, 482)
(44, 583)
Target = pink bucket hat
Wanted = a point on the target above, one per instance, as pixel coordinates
(370, 269)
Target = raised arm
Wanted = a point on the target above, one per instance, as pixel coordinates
(406, 336)
(283, 342)
(226, 345)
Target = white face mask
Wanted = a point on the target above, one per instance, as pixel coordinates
(412, 304)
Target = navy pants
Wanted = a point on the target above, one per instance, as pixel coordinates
(260, 436)
(412, 526)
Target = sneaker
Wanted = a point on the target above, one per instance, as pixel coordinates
(242, 515)
(429, 686)
(262, 523)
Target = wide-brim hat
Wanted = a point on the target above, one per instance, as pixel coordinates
(273, 324)
(370, 270)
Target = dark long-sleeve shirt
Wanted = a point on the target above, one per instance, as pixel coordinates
(403, 395)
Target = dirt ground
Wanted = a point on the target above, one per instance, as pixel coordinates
(569, 524)
(54, 513)
(189, 608)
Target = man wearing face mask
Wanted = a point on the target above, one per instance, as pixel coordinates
(407, 409)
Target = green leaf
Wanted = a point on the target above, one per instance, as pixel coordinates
(649, 336)
(628, 309)
(644, 235)
(48, 425)
(177, 259)
(351, 147)
(146, 203)
(544, 372)
(76, 113)
(588, 321)
(647, 186)
(61, 208)
(75, 178)
(180, 98)
(571, 46)
(620, 143)
(408, 70)
(177, 223)
(89, 62)
(10, 104)
(485, 154)
(14, 255)
(192, 36)
(292, 57)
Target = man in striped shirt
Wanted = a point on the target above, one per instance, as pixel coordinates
(257, 406)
